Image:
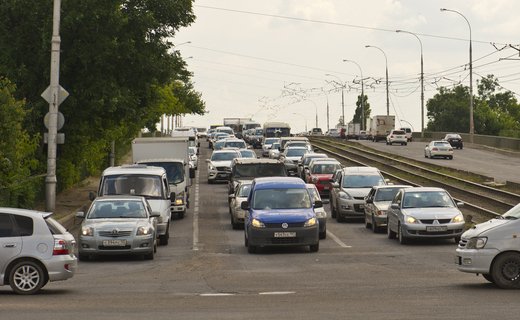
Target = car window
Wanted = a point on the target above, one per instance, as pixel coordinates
(265, 199)
(116, 209)
(362, 181)
(386, 194)
(6, 226)
(244, 190)
(24, 224)
(54, 226)
(133, 184)
(325, 168)
(431, 199)
(296, 152)
(224, 156)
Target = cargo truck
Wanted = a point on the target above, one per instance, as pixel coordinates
(353, 130)
(381, 126)
(172, 154)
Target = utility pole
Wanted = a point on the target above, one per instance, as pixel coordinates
(328, 128)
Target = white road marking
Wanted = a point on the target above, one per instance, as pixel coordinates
(196, 215)
(216, 294)
(337, 240)
(276, 293)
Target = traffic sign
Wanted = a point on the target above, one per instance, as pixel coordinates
(62, 95)
(61, 121)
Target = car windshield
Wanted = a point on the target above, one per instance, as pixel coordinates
(224, 156)
(174, 170)
(119, 209)
(427, 199)
(296, 152)
(244, 190)
(315, 196)
(452, 136)
(271, 140)
(441, 144)
(245, 153)
(308, 160)
(133, 184)
(290, 198)
(235, 144)
(362, 181)
(386, 194)
(259, 170)
(219, 145)
(325, 168)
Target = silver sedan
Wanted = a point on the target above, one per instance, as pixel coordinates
(118, 225)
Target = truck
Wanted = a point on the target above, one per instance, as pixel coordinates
(172, 154)
(277, 129)
(353, 130)
(380, 126)
(237, 124)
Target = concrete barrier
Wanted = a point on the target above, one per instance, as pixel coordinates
(503, 143)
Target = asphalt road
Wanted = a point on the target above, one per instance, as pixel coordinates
(206, 273)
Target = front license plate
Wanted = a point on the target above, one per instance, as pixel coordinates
(114, 243)
(436, 228)
(285, 234)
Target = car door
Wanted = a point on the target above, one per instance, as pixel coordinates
(10, 240)
(393, 214)
(336, 179)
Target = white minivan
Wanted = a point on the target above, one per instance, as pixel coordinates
(492, 249)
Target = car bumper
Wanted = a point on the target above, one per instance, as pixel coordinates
(61, 267)
(351, 208)
(162, 227)
(238, 215)
(380, 221)
(421, 231)
(266, 237)
(218, 175)
(137, 245)
(442, 154)
(475, 261)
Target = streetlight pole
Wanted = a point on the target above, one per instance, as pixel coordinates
(386, 68)
(342, 96)
(362, 94)
(471, 123)
(422, 79)
(316, 107)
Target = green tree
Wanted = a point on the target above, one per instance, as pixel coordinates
(448, 110)
(357, 114)
(17, 150)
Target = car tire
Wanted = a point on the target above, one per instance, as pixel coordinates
(27, 277)
(488, 277)
(314, 247)
(505, 270)
(451, 157)
(149, 256)
(405, 144)
(339, 218)
(389, 233)
(234, 224)
(402, 239)
(210, 181)
(333, 212)
(323, 235)
(368, 225)
(373, 226)
(251, 249)
(456, 239)
(164, 239)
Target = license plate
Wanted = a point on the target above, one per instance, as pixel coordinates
(436, 228)
(114, 243)
(326, 188)
(285, 234)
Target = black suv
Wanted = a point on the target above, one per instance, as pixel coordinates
(454, 139)
(248, 169)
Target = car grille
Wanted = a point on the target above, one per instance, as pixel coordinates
(228, 169)
(112, 234)
(430, 221)
(358, 208)
(426, 233)
(114, 248)
(359, 198)
(290, 225)
(285, 240)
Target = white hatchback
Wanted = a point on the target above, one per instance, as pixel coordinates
(397, 136)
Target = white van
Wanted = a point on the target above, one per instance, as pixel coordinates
(408, 133)
(141, 180)
(492, 249)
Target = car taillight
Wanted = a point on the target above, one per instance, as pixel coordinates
(60, 247)
(435, 149)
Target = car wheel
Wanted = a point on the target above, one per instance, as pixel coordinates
(251, 249)
(488, 277)
(234, 224)
(505, 271)
(389, 233)
(323, 235)
(339, 218)
(374, 226)
(451, 157)
(368, 225)
(164, 239)
(333, 211)
(210, 181)
(400, 235)
(456, 239)
(314, 247)
(149, 256)
(27, 277)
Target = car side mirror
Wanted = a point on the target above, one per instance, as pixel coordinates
(92, 195)
(155, 214)
(244, 205)
(318, 204)
(80, 215)
(394, 206)
(369, 201)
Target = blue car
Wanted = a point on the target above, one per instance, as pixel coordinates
(280, 212)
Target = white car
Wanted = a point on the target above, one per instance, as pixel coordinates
(397, 136)
(274, 152)
(194, 159)
(219, 165)
(266, 146)
(236, 213)
(440, 148)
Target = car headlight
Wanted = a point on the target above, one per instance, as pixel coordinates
(257, 223)
(87, 231)
(144, 231)
(345, 196)
(380, 213)
(411, 220)
(211, 167)
(458, 218)
(179, 199)
(476, 243)
(311, 222)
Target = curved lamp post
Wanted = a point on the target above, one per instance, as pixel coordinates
(422, 79)
(386, 69)
(343, 85)
(471, 123)
(362, 93)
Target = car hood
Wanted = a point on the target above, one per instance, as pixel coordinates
(484, 227)
(432, 213)
(283, 215)
(357, 192)
(226, 163)
(120, 223)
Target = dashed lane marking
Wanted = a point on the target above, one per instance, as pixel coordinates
(337, 240)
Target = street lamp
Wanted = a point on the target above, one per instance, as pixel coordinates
(386, 68)
(422, 79)
(304, 118)
(342, 96)
(362, 93)
(471, 123)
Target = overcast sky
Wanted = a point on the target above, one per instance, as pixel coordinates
(269, 59)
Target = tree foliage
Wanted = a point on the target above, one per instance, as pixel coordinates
(117, 62)
(357, 114)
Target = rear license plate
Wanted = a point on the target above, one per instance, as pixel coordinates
(436, 228)
(114, 243)
(285, 234)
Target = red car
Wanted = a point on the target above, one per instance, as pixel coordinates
(320, 172)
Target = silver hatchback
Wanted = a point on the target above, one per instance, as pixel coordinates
(118, 225)
(34, 249)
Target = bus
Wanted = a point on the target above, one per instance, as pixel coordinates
(276, 129)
